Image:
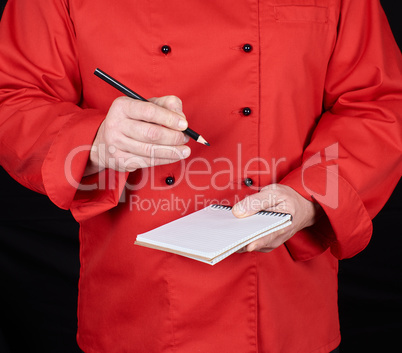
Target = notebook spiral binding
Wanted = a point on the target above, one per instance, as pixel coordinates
(263, 213)
(222, 207)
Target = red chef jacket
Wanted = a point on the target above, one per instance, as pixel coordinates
(322, 86)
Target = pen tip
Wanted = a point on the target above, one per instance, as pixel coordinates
(203, 141)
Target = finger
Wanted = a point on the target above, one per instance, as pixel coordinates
(268, 199)
(258, 245)
(242, 250)
(265, 250)
(127, 162)
(153, 151)
(153, 113)
(251, 205)
(153, 133)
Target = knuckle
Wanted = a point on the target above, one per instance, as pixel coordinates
(170, 119)
(173, 154)
(110, 125)
(178, 138)
(148, 150)
(272, 188)
(167, 152)
(119, 102)
(147, 111)
(169, 100)
(153, 133)
(119, 106)
(173, 102)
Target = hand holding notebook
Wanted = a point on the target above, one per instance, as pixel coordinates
(213, 233)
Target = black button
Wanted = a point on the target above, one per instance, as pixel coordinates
(169, 180)
(246, 111)
(248, 181)
(247, 48)
(166, 49)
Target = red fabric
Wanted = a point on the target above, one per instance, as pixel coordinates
(323, 81)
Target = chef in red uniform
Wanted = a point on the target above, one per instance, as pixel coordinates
(301, 102)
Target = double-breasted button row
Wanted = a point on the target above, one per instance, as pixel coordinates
(246, 111)
(171, 180)
(247, 48)
(166, 49)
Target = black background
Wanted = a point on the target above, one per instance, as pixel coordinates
(39, 267)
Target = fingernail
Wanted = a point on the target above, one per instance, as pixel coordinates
(182, 124)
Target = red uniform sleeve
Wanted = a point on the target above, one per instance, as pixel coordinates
(45, 135)
(354, 159)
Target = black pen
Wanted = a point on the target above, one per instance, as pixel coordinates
(129, 93)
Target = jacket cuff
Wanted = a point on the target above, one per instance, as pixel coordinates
(64, 166)
(346, 227)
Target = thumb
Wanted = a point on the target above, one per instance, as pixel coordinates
(267, 199)
(248, 206)
(171, 103)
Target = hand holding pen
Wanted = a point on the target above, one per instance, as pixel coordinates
(139, 134)
(130, 93)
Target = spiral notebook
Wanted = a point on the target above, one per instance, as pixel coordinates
(212, 233)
